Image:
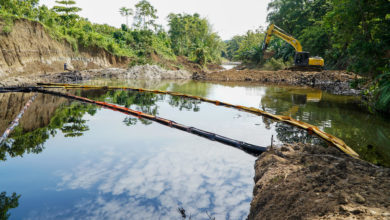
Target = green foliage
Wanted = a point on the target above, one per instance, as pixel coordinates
(249, 47)
(276, 64)
(147, 39)
(67, 11)
(7, 203)
(192, 36)
(349, 34)
(382, 92)
(231, 47)
(145, 16)
(140, 61)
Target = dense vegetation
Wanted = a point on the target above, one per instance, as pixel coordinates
(348, 34)
(192, 36)
(144, 38)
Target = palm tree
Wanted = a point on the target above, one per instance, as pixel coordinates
(126, 12)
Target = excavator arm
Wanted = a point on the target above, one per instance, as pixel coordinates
(274, 30)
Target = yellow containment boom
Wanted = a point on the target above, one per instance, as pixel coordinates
(287, 119)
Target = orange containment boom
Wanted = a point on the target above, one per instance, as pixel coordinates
(287, 119)
(248, 148)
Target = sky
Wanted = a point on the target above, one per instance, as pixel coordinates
(228, 17)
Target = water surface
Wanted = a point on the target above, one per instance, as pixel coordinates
(69, 160)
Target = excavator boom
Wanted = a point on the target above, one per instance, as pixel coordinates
(274, 30)
(302, 61)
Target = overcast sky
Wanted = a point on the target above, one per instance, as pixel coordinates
(228, 17)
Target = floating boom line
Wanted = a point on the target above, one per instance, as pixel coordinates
(247, 147)
(15, 122)
(340, 144)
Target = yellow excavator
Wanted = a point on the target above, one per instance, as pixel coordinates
(302, 59)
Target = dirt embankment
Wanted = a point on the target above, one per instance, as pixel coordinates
(29, 49)
(308, 182)
(336, 82)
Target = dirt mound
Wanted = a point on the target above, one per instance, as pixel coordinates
(336, 82)
(310, 182)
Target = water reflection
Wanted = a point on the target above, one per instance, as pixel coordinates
(343, 117)
(82, 161)
(66, 118)
(142, 184)
(7, 203)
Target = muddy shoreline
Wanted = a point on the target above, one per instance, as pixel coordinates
(335, 82)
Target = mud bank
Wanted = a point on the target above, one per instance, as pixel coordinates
(335, 82)
(310, 182)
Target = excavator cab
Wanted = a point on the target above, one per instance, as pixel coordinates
(301, 58)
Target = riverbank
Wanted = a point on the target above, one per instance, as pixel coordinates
(332, 81)
(312, 182)
(136, 72)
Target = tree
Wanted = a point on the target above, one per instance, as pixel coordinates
(192, 36)
(145, 15)
(67, 11)
(126, 12)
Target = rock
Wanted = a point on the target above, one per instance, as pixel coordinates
(359, 198)
(284, 149)
(386, 214)
(357, 211)
(342, 199)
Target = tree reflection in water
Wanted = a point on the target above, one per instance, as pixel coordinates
(7, 203)
(68, 118)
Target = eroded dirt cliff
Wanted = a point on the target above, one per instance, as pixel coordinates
(29, 49)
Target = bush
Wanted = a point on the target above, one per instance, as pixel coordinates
(382, 93)
(276, 64)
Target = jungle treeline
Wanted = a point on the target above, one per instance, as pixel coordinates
(188, 35)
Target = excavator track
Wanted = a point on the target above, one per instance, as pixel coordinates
(306, 68)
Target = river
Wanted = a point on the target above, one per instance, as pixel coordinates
(72, 160)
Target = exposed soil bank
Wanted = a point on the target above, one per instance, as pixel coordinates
(310, 182)
(29, 49)
(336, 82)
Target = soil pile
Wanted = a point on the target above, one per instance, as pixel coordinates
(336, 82)
(312, 182)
